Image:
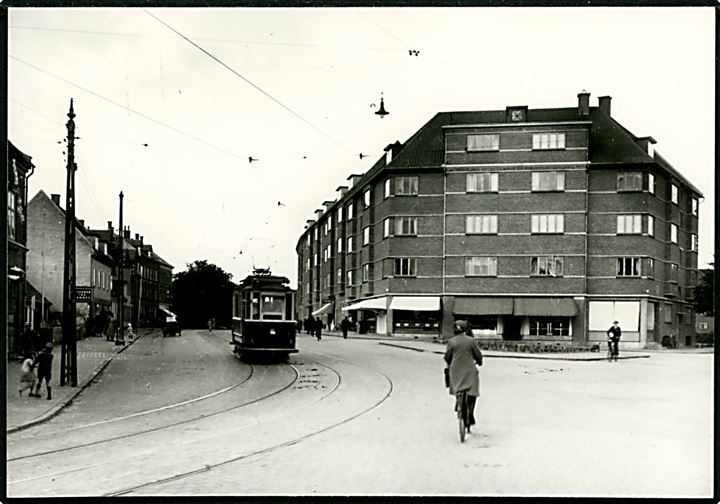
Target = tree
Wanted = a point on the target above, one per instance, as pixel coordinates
(202, 292)
(705, 292)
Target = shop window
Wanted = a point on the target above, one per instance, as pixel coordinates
(549, 326)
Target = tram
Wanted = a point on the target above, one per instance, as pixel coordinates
(263, 308)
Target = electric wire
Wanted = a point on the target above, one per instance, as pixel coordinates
(258, 88)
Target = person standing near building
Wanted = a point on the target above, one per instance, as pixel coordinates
(613, 338)
(28, 379)
(43, 361)
(318, 328)
(345, 326)
(461, 355)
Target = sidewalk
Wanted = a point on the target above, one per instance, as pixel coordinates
(93, 354)
(430, 344)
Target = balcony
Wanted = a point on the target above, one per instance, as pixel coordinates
(672, 290)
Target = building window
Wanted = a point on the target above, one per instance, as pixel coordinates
(544, 141)
(547, 223)
(481, 224)
(405, 266)
(548, 181)
(349, 277)
(673, 272)
(328, 252)
(674, 193)
(350, 244)
(546, 266)
(349, 211)
(406, 186)
(673, 233)
(11, 214)
(327, 281)
(651, 183)
(339, 244)
(693, 242)
(308, 263)
(483, 143)
(694, 206)
(387, 227)
(482, 182)
(366, 235)
(316, 232)
(481, 266)
(406, 226)
(651, 225)
(316, 259)
(549, 326)
(365, 272)
(309, 239)
(629, 181)
(628, 266)
(366, 198)
(387, 188)
(339, 275)
(629, 224)
(651, 267)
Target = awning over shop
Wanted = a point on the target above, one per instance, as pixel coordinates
(166, 311)
(483, 306)
(368, 304)
(323, 310)
(545, 307)
(415, 303)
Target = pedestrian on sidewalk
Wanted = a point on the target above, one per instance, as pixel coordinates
(27, 375)
(43, 361)
(211, 324)
(613, 335)
(345, 326)
(110, 326)
(310, 324)
(318, 328)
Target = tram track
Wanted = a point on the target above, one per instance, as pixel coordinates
(157, 410)
(209, 467)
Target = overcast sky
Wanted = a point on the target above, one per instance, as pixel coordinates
(300, 98)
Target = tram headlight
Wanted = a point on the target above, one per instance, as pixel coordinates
(272, 331)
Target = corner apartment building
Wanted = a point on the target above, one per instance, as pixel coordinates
(533, 224)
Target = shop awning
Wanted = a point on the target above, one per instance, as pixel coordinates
(483, 306)
(545, 307)
(415, 303)
(166, 311)
(322, 311)
(368, 304)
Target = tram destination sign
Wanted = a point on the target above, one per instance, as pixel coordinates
(83, 294)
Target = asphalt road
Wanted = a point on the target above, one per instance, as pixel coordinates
(181, 416)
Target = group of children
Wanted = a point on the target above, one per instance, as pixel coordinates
(43, 363)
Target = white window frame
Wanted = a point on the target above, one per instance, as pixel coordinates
(349, 212)
(387, 225)
(483, 143)
(693, 242)
(365, 269)
(481, 182)
(651, 225)
(402, 222)
(349, 244)
(543, 181)
(405, 267)
(487, 263)
(481, 224)
(547, 266)
(673, 233)
(694, 206)
(339, 244)
(651, 183)
(407, 185)
(387, 188)
(623, 263)
(547, 223)
(548, 141)
(366, 236)
(674, 193)
(349, 275)
(366, 198)
(629, 224)
(624, 178)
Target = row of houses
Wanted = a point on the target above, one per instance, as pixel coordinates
(36, 252)
(533, 224)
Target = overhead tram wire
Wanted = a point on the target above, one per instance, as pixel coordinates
(144, 116)
(258, 88)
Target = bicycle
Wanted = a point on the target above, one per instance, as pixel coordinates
(612, 351)
(463, 413)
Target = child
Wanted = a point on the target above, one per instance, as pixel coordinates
(44, 363)
(27, 376)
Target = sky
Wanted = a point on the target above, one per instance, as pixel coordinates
(171, 103)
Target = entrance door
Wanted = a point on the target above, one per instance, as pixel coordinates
(511, 329)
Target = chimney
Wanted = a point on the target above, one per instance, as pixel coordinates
(318, 213)
(82, 222)
(126, 232)
(111, 229)
(583, 104)
(141, 240)
(137, 236)
(55, 199)
(604, 104)
(342, 190)
(328, 204)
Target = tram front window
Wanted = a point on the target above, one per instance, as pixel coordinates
(273, 307)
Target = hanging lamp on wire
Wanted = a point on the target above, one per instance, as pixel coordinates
(382, 112)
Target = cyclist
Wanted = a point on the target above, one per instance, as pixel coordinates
(613, 335)
(461, 356)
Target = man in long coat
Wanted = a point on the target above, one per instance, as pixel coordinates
(461, 355)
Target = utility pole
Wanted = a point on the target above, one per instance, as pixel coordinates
(120, 338)
(68, 364)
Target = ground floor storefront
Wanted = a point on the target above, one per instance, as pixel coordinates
(581, 320)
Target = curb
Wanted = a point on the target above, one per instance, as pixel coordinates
(519, 356)
(72, 394)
